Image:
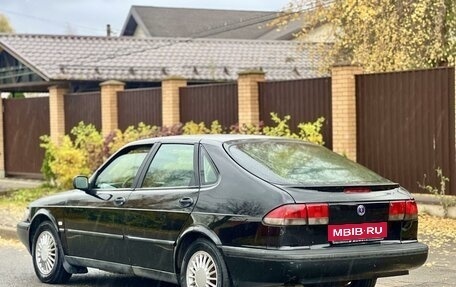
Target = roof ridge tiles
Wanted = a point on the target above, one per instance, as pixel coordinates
(203, 9)
(154, 39)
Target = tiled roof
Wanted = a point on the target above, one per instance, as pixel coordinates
(153, 59)
(201, 23)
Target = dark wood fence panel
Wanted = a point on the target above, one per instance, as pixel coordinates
(304, 100)
(25, 120)
(139, 105)
(406, 125)
(208, 103)
(85, 107)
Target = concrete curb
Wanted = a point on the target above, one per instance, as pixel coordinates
(8, 233)
(430, 204)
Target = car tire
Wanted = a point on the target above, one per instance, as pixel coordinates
(47, 255)
(202, 264)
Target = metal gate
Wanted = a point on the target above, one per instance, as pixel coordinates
(24, 121)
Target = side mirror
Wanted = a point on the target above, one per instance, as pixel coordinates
(81, 182)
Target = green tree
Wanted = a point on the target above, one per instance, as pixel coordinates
(5, 26)
(381, 35)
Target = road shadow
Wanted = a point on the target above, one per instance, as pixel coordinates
(113, 280)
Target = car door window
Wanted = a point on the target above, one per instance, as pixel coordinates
(121, 172)
(172, 166)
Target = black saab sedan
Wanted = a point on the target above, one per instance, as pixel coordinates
(227, 210)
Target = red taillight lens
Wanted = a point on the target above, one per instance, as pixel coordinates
(403, 210)
(411, 210)
(396, 210)
(298, 214)
(293, 214)
(318, 214)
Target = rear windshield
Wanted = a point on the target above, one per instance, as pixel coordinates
(296, 162)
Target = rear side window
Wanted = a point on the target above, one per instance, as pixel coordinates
(208, 171)
(295, 162)
(172, 166)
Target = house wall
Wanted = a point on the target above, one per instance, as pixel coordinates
(139, 33)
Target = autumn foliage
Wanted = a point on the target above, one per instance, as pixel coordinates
(381, 35)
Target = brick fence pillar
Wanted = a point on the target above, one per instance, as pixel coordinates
(57, 112)
(344, 109)
(170, 100)
(109, 113)
(248, 96)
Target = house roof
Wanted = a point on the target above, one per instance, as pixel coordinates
(154, 59)
(202, 23)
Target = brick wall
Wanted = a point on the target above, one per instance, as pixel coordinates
(57, 112)
(248, 102)
(109, 112)
(170, 100)
(344, 109)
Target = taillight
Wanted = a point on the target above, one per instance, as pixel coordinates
(318, 214)
(403, 210)
(411, 210)
(298, 214)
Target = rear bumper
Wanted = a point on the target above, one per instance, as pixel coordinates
(23, 229)
(343, 263)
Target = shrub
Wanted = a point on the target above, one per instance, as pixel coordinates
(67, 162)
(312, 131)
(446, 201)
(192, 128)
(90, 141)
(118, 139)
(85, 149)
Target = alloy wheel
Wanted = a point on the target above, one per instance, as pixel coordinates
(46, 253)
(201, 270)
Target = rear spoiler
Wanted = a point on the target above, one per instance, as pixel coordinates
(342, 188)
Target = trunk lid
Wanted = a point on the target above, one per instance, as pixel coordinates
(354, 217)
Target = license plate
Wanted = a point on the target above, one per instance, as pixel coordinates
(357, 232)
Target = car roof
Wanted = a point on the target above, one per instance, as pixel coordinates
(205, 138)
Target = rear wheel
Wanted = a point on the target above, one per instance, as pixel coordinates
(47, 255)
(203, 266)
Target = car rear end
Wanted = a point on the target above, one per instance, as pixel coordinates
(336, 231)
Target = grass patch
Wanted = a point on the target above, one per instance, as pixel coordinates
(22, 197)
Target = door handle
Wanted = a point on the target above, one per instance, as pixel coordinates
(119, 201)
(186, 202)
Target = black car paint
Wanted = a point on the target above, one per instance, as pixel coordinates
(143, 236)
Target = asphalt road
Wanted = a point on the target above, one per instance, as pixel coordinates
(16, 270)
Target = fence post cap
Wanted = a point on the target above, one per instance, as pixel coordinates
(59, 86)
(174, 78)
(251, 72)
(112, 83)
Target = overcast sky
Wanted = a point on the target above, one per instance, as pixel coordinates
(89, 17)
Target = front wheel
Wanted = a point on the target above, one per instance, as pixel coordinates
(47, 255)
(203, 266)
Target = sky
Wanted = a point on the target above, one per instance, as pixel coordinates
(90, 17)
